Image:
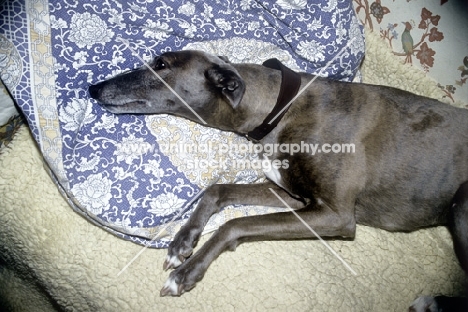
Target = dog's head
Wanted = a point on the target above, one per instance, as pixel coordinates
(170, 83)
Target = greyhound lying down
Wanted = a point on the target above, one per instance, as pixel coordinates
(411, 155)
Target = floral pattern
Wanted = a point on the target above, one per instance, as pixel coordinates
(419, 35)
(378, 11)
(113, 167)
(9, 58)
(166, 204)
(8, 130)
(94, 193)
(88, 29)
(424, 54)
(75, 114)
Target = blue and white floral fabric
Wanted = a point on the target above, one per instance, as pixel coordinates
(135, 175)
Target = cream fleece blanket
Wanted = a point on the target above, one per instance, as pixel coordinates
(52, 258)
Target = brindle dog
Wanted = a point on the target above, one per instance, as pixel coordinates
(411, 157)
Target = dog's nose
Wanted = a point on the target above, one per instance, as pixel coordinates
(94, 91)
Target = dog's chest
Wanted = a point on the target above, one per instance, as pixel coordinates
(271, 171)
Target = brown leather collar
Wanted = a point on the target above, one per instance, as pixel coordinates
(290, 83)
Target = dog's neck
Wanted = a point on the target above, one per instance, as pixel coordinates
(259, 113)
(290, 84)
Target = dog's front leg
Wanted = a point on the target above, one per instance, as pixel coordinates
(215, 198)
(278, 226)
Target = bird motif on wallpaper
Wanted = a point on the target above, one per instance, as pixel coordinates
(464, 72)
(407, 42)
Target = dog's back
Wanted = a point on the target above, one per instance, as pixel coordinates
(419, 162)
(412, 149)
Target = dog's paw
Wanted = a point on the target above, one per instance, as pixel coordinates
(171, 288)
(424, 304)
(180, 249)
(176, 256)
(172, 262)
(180, 281)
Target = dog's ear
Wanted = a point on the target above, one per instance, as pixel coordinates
(228, 81)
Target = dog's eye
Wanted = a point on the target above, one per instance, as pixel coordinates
(159, 64)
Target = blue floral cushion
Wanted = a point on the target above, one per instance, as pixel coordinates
(138, 176)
